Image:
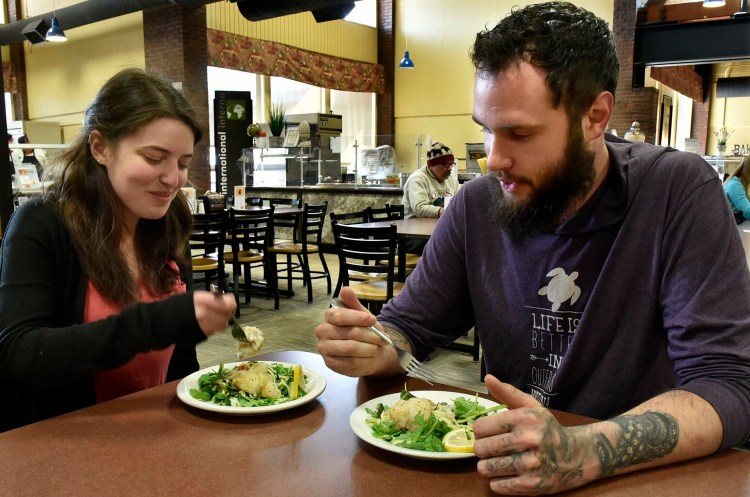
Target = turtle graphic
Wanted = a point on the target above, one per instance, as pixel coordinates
(561, 288)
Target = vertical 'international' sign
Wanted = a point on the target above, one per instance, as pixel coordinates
(233, 113)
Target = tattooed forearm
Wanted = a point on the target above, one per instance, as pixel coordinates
(642, 438)
(396, 336)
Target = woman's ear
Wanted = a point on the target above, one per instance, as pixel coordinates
(597, 116)
(99, 148)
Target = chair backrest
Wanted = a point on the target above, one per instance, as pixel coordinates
(208, 234)
(387, 213)
(349, 217)
(294, 202)
(313, 218)
(250, 229)
(366, 249)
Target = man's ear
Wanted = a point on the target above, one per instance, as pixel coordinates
(99, 147)
(597, 116)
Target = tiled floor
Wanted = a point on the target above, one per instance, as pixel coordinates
(292, 328)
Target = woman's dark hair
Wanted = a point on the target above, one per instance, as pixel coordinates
(126, 103)
(573, 46)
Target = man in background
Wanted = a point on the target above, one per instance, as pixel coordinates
(428, 191)
(29, 156)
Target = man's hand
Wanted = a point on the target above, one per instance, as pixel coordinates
(348, 347)
(525, 451)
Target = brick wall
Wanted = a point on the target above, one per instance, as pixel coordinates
(175, 42)
(18, 61)
(631, 104)
(385, 122)
(641, 104)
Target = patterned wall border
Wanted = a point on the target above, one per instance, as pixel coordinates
(269, 58)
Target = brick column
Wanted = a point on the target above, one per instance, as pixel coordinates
(631, 104)
(385, 124)
(20, 99)
(175, 42)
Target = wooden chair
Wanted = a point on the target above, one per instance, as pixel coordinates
(392, 212)
(359, 248)
(249, 233)
(385, 213)
(308, 242)
(351, 218)
(207, 239)
(289, 225)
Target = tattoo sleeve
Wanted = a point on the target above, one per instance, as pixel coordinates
(641, 438)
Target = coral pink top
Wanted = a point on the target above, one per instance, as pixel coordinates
(146, 369)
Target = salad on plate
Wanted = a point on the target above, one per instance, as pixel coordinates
(418, 423)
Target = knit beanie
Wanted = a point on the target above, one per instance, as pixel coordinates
(439, 153)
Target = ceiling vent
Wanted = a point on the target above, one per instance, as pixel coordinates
(322, 10)
(733, 87)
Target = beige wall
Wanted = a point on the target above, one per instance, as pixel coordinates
(62, 78)
(435, 98)
(347, 40)
(734, 113)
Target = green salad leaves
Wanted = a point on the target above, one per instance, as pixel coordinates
(219, 388)
(427, 434)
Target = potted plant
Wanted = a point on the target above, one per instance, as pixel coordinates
(276, 122)
(721, 139)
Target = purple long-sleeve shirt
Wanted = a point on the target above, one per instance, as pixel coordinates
(645, 289)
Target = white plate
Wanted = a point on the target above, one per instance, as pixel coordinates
(314, 385)
(358, 422)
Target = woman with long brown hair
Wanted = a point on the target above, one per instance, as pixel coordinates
(736, 186)
(95, 286)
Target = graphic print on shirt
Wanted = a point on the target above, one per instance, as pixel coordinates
(552, 331)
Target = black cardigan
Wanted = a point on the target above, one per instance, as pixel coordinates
(47, 357)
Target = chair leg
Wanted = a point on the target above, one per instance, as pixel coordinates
(273, 275)
(248, 282)
(236, 285)
(307, 277)
(325, 269)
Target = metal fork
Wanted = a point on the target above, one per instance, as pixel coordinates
(405, 359)
(237, 332)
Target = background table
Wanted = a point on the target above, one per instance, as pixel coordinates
(150, 443)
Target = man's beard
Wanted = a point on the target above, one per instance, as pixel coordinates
(562, 186)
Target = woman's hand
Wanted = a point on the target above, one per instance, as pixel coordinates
(213, 311)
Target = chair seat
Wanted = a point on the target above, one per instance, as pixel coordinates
(361, 276)
(244, 256)
(292, 248)
(411, 261)
(375, 289)
(205, 264)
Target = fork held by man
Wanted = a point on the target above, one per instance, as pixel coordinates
(332, 337)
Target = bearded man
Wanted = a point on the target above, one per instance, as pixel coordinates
(606, 278)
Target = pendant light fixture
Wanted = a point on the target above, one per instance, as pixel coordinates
(710, 4)
(55, 33)
(406, 62)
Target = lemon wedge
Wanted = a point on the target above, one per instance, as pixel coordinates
(296, 381)
(458, 441)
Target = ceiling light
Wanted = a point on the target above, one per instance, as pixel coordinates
(406, 62)
(713, 3)
(55, 33)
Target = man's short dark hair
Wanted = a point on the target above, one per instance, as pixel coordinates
(573, 46)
